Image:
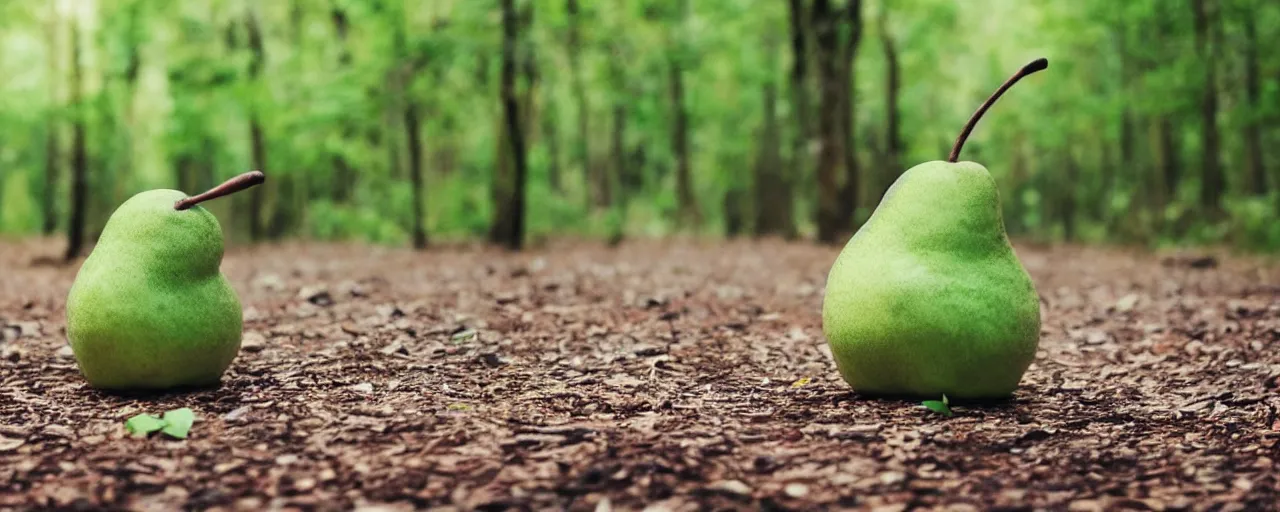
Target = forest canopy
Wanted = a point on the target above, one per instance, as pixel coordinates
(401, 122)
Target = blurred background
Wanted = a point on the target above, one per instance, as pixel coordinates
(408, 122)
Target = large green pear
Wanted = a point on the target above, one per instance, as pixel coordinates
(150, 308)
(928, 297)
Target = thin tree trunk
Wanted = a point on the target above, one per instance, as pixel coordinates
(830, 122)
(79, 154)
(596, 189)
(850, 191)
(344, 173)
(619, 151)
(688, 206)
(1212, 180)
(1170, 163)
(800, 91)
(772, 192)
(257, 138)
(1254, 163)
(1068, 195)
(52, 146)
(892, 83)
(51, 164)
(412, 128)
(514, 238)
(550, 133)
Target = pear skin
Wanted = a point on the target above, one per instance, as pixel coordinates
(921, 303)
(929, 298)
(150, 308)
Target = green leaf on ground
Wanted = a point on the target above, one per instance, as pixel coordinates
(178, 422)
(940, 407)
(463, 335)
(143, 424)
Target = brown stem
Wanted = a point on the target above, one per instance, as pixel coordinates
(1032, 67)
(230, 186)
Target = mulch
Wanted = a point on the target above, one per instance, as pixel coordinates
(668, 375)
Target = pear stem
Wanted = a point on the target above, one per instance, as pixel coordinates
(230, 186)
(1032, 67)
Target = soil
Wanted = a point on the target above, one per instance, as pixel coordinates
(675, 376)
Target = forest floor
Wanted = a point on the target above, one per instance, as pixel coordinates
(672, 375)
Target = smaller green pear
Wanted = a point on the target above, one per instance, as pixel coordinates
(150, 308)
(928, 298)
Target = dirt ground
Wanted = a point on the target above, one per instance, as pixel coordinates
(676, 376)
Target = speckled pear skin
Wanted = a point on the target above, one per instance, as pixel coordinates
(150, 309)
(928, 297)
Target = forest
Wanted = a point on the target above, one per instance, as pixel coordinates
(649, 255)
(412, 123)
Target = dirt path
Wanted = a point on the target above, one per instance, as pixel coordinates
(679, 376)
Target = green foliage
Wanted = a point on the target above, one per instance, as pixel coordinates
(170, 88)
(143, 424)
(175, 423)
(942, 407)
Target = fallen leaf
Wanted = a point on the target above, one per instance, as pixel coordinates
(465, 334)
(178, 422)
(938, 406)
(143, 424)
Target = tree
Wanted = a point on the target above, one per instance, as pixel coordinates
(689, 214)
(1255, 163)
(52, 147)
(849, 192)
(257, 138)
(344, 173)
(79, 153)
(408, 67)
(597, 182)
(512, 237)
(892, 165)
(837, 174)
(1212, 180)
(772, 192)
(801, 107)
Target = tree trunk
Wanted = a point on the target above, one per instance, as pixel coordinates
(1212, 180)
(49, 219)
(800, 91)
(688, 205)
(513, 238)
(52, 146)
(850, 191)
(597, 190)
(618, 139)
(79, 154)
(1170, 164)
(772, 192)
(834, 74)
(1068, 196)
(893, 147)
(551, 134)
(344, 174)
(412, 129)
(257, 138)
(1255, 165)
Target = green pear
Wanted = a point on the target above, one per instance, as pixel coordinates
(150, 308)
(928, 297)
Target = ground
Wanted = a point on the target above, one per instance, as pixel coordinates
(677, 375)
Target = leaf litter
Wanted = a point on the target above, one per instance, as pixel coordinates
(674, 375)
